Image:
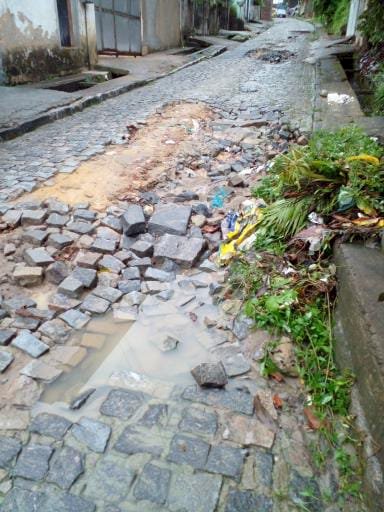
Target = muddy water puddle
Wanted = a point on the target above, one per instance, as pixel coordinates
(129, 353)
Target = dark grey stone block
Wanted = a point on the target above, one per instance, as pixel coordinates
(237, 400)
(94, 304)
(188, 450)
(92, 433)
(75, 318)
(241, 501)
(170, 218)
(66, 465)
(87, 276)
(9, 448)
(197, 492)
(198, 422)
(132, 441)
(153, 484)
(133, 220)
(28, 343)
(32, 463)
(50, 425)
(225, 460)
(122, 403)
(155, 415)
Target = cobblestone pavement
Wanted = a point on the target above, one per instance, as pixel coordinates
(151, 444)
(231, 81)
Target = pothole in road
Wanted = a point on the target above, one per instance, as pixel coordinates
(125, 351)
(271, 56)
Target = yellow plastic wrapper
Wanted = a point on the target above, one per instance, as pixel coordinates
(245, 226)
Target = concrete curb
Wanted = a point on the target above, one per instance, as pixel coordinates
(79, 105)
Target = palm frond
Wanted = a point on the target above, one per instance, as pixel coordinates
(286, 217)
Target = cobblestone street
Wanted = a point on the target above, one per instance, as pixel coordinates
(106, 307)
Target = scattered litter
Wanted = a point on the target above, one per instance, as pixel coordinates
(341, 99)
(219, 198)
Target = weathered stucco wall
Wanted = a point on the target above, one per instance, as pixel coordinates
(30, 48)
(161, 24)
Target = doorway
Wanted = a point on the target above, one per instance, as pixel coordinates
(64, 13)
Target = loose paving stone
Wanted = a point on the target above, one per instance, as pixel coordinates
(122, 403)
(59, 241)
(133, 285)
(110, 481)
(107, 234)
(248, 432)
(194, 493)
(153, 484)
(56, 272)
(182, 250)
(35, 236)
(170, 218)
(71, 287)
(80, 400)
(9, 448)
(9, 249)
(28, 276)
(142, 248)
(153, 287)
(56, 330)
(6, 359)
(93, 340)
(39, 370)
(164, 342)
(87, 276)
(33, 217)
(132, 441)
(92, 433)
(155, 415)
(133, 220)
(110, 221)
(60, 302)
(84, 214)
(65, 467)
(233, 361)
(28, 343)
(240, 501)
(132, 299)
(210, 375)
(108, 293)
(53, 205)
(111, 264)
(57, 220)
(38, 257)
(32, 462)
(87, 259)
(17, 302)
(6, 335)
(262, 469)
(123, 255)
(94, 305)
(225, 460)
(103, 246)
(156, 274)
(237, 400)
(25, 322)
(82, 228)
(125, 314)
(188, 450)
(165, 295)
(75, 319)
(141, 263)
(131, 273)
(108, 279)
(50, 425)
(198, 421)
(12, 218)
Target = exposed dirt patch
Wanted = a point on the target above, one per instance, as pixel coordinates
(148, 158)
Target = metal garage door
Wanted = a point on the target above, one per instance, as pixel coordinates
(118, 25)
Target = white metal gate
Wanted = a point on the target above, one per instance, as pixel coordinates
(118, 26)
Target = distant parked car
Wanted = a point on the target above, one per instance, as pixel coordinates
(281, 12)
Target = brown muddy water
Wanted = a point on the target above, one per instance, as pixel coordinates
(125, 353)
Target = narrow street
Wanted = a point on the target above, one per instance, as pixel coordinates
(111, 294)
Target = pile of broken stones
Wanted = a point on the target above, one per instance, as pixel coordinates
(94, 261)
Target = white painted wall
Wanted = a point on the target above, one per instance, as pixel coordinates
(33, 13)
